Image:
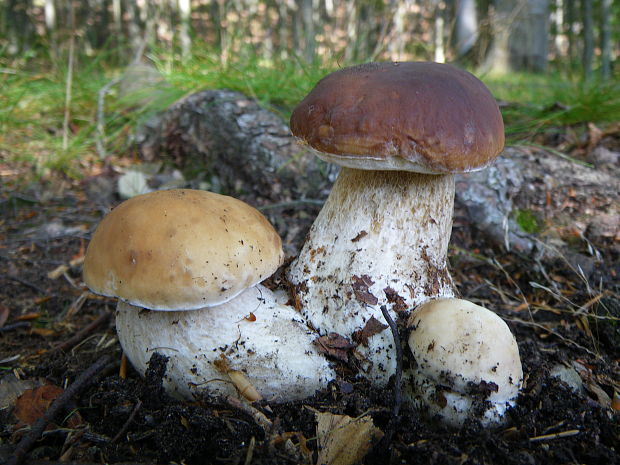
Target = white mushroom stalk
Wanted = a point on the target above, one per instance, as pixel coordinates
(400, 131)
(186, 265)
(380, 239)
(467, 362)
(269, 343)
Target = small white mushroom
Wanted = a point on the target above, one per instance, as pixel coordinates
(466, 362)
(198, 257)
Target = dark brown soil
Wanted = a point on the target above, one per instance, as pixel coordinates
(42, 228)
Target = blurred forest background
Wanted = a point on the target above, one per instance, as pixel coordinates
(60, 59)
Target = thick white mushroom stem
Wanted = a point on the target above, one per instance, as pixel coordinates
(253, 335)
(380, 239)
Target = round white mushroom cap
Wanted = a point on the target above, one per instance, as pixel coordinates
(467, 361)
(181, 249)
(268, 342)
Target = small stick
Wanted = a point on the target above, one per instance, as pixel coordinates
(12, 326)
(250, 452)
(22, 281)
(82, 333)
(259, 417)
(122, 371)
(385, 441)
(87, 377)
(562, 434)
(127, 423)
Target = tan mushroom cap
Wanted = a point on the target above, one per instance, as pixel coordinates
(181, 249)
(415, 116)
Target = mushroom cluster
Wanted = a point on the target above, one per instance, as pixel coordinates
(399, 131)
(186, 266)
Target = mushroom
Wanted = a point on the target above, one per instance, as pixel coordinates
(399, 131)
(186, 266)
(467, 362)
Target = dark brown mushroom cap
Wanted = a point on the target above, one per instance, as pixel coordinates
(433, 117)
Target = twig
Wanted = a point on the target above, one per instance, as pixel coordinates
(250, 452)
(82, 333)
(562, 434)
(259, 417)
(23, 282)
(12, 326)
(397, 379)
(87, 377)
(125, 427)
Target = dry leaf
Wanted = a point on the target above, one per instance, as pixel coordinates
(360, 287)
(344, 440)
(372, 327)
(43, 332)
(360, 235)
(28, 316)
(33, 404)
(334, 345)
(393, 297)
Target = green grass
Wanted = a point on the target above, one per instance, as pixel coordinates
(541, 103)
(33, 99)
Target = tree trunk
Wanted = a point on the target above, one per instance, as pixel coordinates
(351, 16)
(50, 26)
(184, 33)
(588, 38)
(439, 31)
(466, 26)
(134, 28)
(396, 46)
(308, 22)
(605, 39)
(520, 36)
(569, 19)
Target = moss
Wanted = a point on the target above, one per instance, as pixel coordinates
(528, 221)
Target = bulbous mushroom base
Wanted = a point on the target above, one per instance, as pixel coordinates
(252, 334)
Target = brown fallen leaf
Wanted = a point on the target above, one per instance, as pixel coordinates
(372, 327)
(397, 301)
(33, 404)
(344, 440)
(334, 345)
(360, 286)
(360, 235)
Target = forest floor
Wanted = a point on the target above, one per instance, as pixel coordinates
(52, 331)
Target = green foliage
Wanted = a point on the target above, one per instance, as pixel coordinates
(534, 104)
(528, 221)
(32, 103)
(278, 82)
